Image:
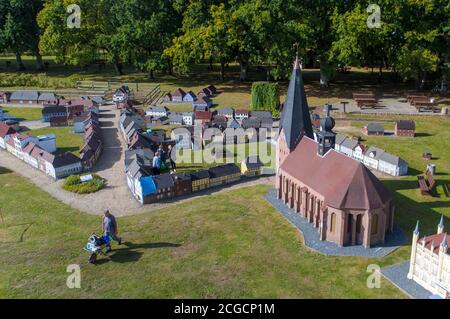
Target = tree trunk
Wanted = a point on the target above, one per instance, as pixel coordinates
(170, 67)
(243, 69)
(118, 68)
(222, 71)
(19, 62)
(210, 63)
(39, 62)
(380, 75)
(152, 74)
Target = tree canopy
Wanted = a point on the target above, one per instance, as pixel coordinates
(164, 35)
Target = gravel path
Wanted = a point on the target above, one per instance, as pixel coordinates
(116, 197)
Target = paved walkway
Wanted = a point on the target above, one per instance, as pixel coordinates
(116, 196)
(397, 275)
(312, 240)
(387, 105)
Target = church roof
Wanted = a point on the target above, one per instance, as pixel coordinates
(295, 118)
(344, 182)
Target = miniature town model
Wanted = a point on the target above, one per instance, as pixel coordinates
(39, 151)
(337, 194)
(430, 261)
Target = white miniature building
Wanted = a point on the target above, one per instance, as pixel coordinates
(358, 152)
(156, 111)
(430, 261)
(392, 165)
(371, 157)
(188, 118)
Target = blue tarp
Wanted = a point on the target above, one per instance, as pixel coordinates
(148, 186)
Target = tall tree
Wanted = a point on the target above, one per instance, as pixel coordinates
(19, 31)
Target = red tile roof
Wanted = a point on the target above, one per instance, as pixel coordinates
(344, 182)
(203, 115)
(6, 130)
(29, 148)
(179, 92)
(436, 240)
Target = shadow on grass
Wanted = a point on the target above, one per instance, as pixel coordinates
(131, 254)
(409, 209)
(4, 170)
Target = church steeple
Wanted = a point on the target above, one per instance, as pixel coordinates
(295, 119)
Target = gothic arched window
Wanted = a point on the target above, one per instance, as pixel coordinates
(333, 222)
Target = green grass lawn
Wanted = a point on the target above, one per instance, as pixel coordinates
(189, 163)
(25, 113)
(433, 134)
(232, 245)
(66, 140)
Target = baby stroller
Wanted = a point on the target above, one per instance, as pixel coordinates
(96, 245)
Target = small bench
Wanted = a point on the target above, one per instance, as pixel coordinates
(426, 183)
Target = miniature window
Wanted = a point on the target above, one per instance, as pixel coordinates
(333, 222)
(374, 224)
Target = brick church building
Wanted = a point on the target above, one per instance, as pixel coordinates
(340, 196)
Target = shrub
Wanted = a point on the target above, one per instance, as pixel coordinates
(74, 184)
(265, 96)
(38, 80)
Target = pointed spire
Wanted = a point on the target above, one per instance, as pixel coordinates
(444, 241)
(440, 228)
(416, 230)
(424, 240)
(296, 62)
(295, 118)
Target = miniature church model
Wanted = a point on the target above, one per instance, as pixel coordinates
(341, 197)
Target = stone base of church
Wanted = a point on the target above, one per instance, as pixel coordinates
(313, 241)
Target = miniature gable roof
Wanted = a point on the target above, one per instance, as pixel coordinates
(253, 162)
(340, 139)
(406, 125)
(6, 130)
(349, 143)
(179, 93)
(25, 95)
(375, 127)
(375, 151)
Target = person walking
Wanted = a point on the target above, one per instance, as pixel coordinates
(110, 229)
(157, 163)
(172, 158)
(163, 157)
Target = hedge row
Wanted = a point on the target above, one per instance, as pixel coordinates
(265, 96)
(38, 80)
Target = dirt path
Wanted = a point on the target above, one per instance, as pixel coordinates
(116, 197)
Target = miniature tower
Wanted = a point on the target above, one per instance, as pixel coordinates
(442, 252)
(325, 136)
(295, 120)
(412, 262)
(440, 228)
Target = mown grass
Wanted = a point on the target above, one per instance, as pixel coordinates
(232, 245)
(24, 113)
(433, 134)
(66, 140)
